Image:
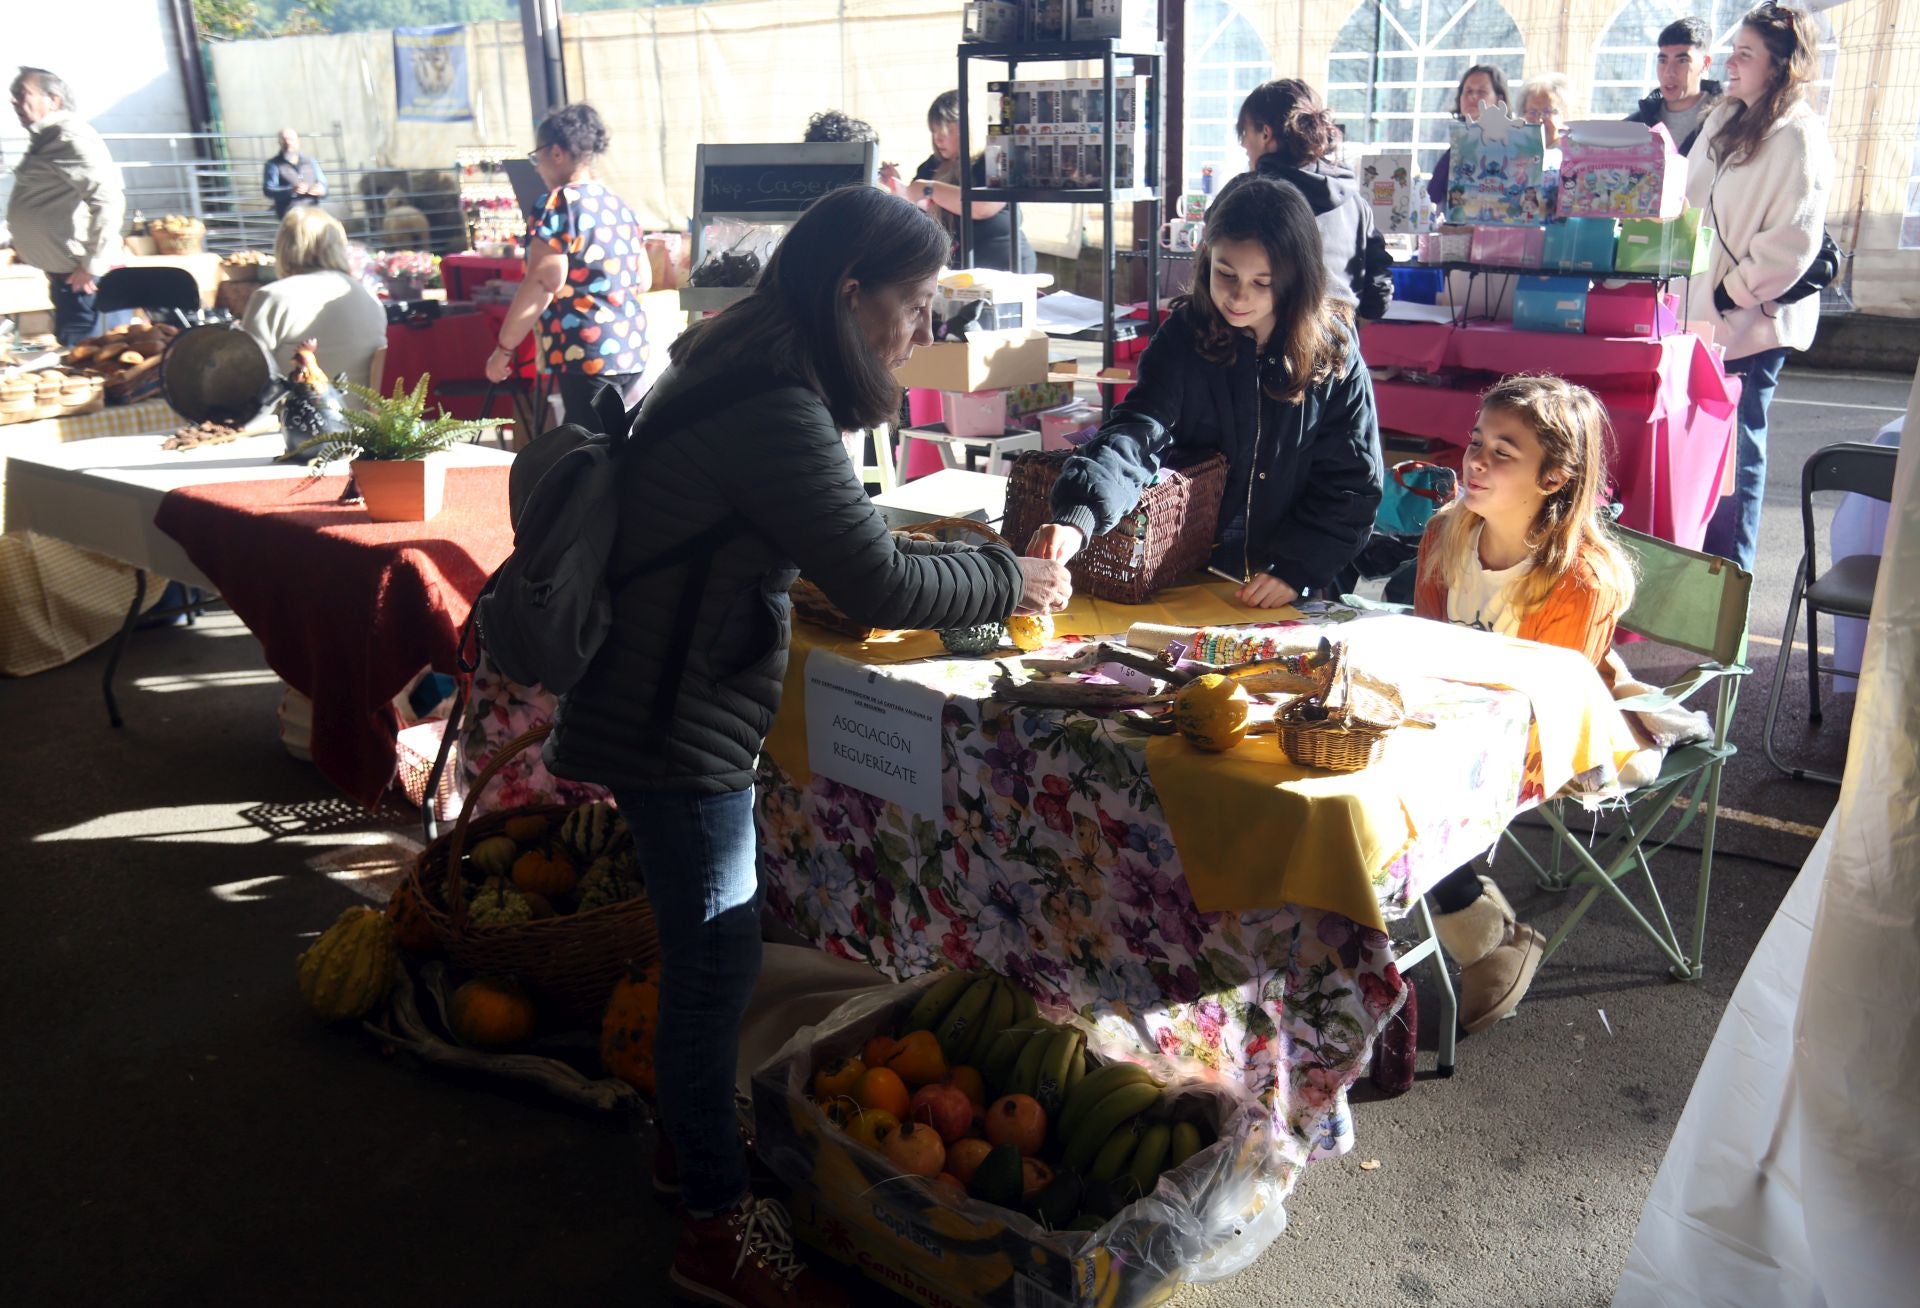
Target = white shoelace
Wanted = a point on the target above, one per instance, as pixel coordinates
(767, 1233)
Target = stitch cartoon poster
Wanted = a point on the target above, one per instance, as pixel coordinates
(1496, 177)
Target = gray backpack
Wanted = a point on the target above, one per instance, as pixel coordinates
(545, 612)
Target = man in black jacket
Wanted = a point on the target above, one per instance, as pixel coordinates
(1685, 96)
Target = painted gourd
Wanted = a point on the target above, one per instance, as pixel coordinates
(411, 929)
(491, 1014)
(627, 1029)
(592, 831)
(1029, 631)
(497, 903)
(971, 642)
(494, 856)
(608, 881)
(1211, 712)
(349, 969)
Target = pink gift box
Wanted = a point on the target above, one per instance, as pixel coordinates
(1509, 247)
(974, 413)
(1620, 170)
(1069, 425)
(1631, 309)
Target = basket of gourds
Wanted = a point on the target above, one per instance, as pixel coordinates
(178, 234)
(550, 894)
(810, 603)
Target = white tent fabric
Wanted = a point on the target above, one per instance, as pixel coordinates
(1793, 1177)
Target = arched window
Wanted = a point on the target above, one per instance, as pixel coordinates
(1623, 65)
(1225, 59)
(1395, 65)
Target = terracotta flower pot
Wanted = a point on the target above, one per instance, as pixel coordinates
(401, 490)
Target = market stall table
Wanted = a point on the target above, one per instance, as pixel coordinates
(347, 610)
(467, 272)
(1229, 909)
(1671, 404)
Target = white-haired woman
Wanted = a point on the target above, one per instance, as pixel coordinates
(317, 298)
(1547, 99)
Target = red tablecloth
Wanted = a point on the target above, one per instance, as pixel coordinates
(464, 273)
(347, 610)
(1672, 406)
(454, 348)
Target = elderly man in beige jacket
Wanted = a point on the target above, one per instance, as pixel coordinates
(67, 201)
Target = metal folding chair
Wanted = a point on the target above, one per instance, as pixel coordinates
(1695, 602)
(1844, 590)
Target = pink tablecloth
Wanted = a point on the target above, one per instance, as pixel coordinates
(1671, 404)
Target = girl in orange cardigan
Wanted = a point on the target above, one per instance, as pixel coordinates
(1525, 551)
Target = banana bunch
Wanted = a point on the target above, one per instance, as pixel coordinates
(1035, 1058)
(966, 1010)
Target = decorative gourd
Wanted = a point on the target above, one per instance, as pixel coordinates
(491, 1014)
(411, 930)
(497, 903)
(593, 831)
(494, 856)
(1029, 631)
(627, 1028)
(526, 828)
(1211, 712)
(608, 881)
(543, 873)
(971, 642)
(349, 968)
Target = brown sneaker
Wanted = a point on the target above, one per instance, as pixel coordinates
(744, 1258)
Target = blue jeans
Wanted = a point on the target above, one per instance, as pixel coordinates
(74, 317)
(698, 853)
(1734, 530)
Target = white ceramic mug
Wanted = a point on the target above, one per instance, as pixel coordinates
(1181, 235)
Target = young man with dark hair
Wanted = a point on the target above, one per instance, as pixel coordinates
(1685, 96)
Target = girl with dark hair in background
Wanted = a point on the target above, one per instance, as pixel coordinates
(1480, 86)
(1258, 363)
(1290, 137)
(586, 272)
(997, 239)
(1762, 169)
(754, 464)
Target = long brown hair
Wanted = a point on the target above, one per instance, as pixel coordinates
(1309, 330)
(1293, 112)
(798, 322)
(1793, 43)
(1572, 429)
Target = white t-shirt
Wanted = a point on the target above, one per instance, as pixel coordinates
(1484, 597)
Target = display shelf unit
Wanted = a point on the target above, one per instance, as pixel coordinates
(1148, 59)
(1463, 315)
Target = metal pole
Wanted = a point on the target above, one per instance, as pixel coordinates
(546, 69)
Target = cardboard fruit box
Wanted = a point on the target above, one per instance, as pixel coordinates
(985, 361)
(1207, 1218)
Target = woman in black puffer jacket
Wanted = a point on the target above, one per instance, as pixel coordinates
(1261, 365)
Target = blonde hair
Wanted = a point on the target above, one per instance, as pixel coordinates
(1554, 86)
(1570, 527)
(309, 240)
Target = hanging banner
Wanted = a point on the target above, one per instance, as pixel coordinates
(430, 74)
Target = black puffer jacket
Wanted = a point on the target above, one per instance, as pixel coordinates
(776, 460)
(1359, 269)
(1303, 480)
(1653, 106)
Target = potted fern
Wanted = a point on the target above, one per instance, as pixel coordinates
(394, 446)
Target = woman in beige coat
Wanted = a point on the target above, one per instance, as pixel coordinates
(1762, 169)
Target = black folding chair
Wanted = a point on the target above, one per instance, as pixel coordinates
(1844, 590)
(170, 293)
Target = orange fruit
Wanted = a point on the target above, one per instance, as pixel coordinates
(883, 1089)
(969, 1083)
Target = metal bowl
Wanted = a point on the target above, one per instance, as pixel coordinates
(218, 373)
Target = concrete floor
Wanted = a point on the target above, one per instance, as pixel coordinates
(178, 1130)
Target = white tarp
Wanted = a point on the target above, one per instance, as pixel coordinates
(1793, 1178)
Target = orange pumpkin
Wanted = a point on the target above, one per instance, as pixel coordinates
(411, 930)
(627, 1029)
(541, 873)
(490, 1014)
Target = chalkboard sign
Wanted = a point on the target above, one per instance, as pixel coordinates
(778, 179)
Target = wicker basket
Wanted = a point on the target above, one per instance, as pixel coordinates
(810, 603)
(1344, 726)
(1166, 536)
(570, 963)
(176, 243)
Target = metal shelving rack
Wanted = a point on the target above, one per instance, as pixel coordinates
(1148, 59)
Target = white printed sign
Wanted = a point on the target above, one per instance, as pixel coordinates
(874, 733)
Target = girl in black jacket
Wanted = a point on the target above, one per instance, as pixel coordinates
(1259, 364)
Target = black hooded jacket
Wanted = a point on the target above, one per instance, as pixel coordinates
(1654, 104)
(1359, 269)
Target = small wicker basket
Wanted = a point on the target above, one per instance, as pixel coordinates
(1342, 727)
(571, 963)
(810, 603)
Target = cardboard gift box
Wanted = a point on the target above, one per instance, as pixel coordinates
(1620, 170)
(1128, 20)
(1448, 245)
(985, 361)
(1550, 304)
(1625, 309)
(974, 413)
(1680, 247)
(993, 20)
(1496, 174)
(1581, 244)
(1068, 426)
(1508, 247)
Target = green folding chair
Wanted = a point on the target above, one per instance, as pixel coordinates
(1695, 602)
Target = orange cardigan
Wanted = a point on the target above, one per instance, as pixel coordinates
(1578, 613)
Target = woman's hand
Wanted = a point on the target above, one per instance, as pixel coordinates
(499, 366)
(1265, 591)
(1055, 541)
(1045, 586)
(891, 180)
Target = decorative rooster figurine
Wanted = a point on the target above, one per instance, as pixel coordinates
(313, 407)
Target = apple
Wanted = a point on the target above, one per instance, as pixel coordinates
(945, 1108)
